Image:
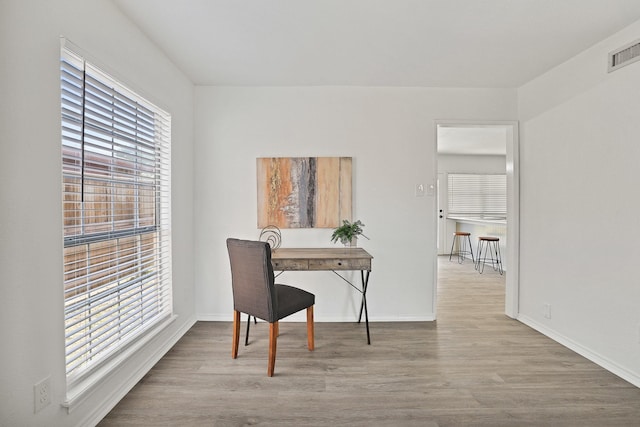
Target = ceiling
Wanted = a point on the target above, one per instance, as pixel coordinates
(412, 43)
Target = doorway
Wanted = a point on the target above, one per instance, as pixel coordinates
(476, 138)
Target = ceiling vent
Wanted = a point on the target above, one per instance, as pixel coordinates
(624, 56)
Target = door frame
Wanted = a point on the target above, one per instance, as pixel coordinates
(512, 285)
(442, 211)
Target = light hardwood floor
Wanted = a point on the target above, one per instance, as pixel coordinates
(473, 367)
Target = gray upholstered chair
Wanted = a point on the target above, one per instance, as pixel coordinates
(256, 293)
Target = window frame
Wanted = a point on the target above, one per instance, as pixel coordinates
(144, 171)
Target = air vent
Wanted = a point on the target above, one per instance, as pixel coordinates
(624, 56)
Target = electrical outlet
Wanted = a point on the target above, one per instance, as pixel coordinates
(547, 311)
(42, 394)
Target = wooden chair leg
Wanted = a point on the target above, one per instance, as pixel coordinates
(236, 334)
(310, 337)
(273, 338)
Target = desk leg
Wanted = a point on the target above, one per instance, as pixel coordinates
(363, 304)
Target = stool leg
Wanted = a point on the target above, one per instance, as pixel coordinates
(471, 249)
(452, 245)
(494, 263)
(499, 258)
(478, 255)
(482, 261)
(462, 248)
(491, 248)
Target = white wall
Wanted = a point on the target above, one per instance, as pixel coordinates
(579, 206)
(31, 290)
(390, 134)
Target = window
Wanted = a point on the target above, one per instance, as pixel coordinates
(116, 211)
(477, 195)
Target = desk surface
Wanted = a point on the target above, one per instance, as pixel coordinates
(300, 259)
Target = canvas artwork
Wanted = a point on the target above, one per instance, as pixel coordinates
(303, 192)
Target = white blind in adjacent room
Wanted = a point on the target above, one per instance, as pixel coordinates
(477, 195)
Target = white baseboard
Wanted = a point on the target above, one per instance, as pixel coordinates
(593, 356)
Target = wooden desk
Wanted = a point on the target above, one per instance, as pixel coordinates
(329, 259)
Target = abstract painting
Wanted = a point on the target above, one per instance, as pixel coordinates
(303, 192)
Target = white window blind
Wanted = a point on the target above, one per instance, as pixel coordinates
(116, 202)
(477, 195)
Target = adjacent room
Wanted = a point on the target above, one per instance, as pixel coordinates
(151, 131)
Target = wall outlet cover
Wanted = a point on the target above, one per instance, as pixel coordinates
(42, 394)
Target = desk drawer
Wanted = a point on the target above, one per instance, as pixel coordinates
(290, 264)
(339, 264)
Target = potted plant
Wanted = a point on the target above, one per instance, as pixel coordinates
(348, 232)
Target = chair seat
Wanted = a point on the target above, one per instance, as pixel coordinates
(291, 300)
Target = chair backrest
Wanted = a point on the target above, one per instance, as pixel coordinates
(252, 279)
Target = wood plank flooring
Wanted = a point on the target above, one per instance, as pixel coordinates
(473, 367)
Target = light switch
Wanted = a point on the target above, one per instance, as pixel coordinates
(419, 190)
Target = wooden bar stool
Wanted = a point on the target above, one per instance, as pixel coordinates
(489, 245)
(463, 249)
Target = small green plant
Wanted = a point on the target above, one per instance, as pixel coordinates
(347, 231)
